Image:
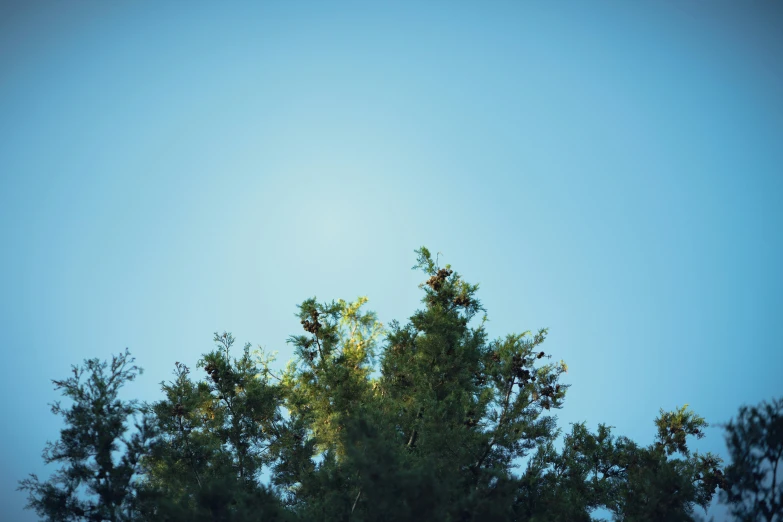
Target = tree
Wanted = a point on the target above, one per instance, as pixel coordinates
(213, 437)
(434, 430)
(664, 481)
(755, 475)
(94, 485)
(426, 420)
(437, 432)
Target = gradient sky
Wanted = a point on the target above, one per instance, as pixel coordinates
(610, 170)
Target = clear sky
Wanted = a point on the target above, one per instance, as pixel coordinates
(610, 170)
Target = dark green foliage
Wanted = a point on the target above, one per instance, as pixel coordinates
(426, 420)
(755, 476)
(635, 483)
(94, 482)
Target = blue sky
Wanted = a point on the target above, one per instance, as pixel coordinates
(611, 171)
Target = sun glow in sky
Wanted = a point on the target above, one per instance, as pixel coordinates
(611, 171)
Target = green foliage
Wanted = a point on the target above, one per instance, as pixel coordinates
(423, 420)
(93, 484)
(755, 476)
(635, 483)
(214, 437)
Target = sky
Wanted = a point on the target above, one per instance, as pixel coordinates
(609, 170)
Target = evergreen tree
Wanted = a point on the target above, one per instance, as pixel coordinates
(213, 439)
(755, 475)
(426, 420)
(100, 462)
(664, 481)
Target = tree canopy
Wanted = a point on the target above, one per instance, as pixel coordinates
(423, 420)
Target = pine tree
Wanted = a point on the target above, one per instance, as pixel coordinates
(426, 420)
(755, 475)
(436, 433)
(95, 483)
(213, 439)
(664, 481)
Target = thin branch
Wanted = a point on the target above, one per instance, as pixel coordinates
(190, 452)
(271, 374)
(415, 432)
(357, 500)
(318, 344)
(502, 419)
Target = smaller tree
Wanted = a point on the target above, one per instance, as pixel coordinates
(213, 437)
(663, 481)
(755, 475)
(93, 485)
